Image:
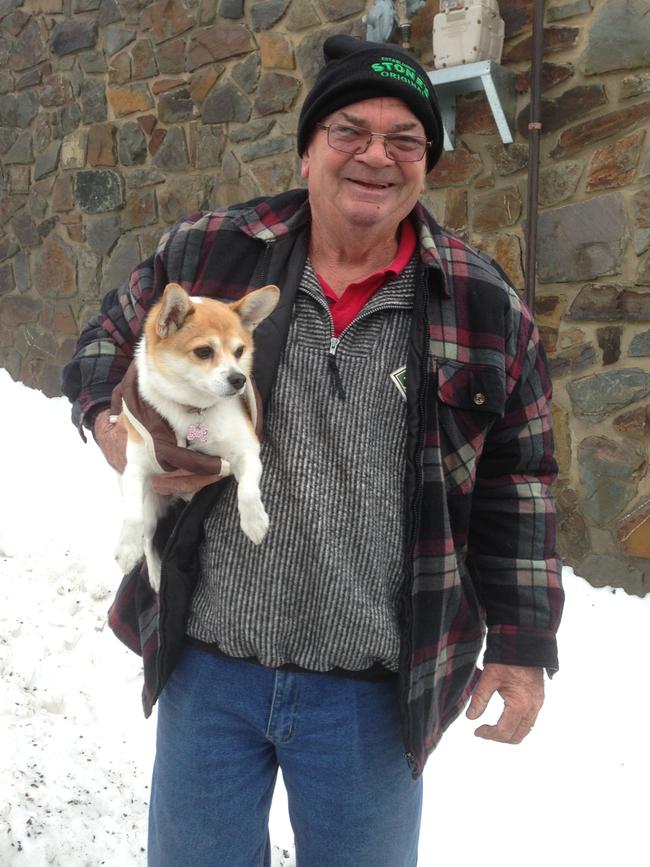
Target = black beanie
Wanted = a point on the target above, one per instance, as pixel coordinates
(355, 70)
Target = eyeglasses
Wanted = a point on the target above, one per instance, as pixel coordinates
(398, 146)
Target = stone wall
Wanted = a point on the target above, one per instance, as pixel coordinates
(119, 116)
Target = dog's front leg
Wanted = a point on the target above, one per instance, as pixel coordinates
(130, 547)
(254, 521)
(155, 505)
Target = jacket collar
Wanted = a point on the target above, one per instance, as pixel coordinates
(270, 220)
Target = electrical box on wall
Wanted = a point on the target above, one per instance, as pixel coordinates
(467, 31)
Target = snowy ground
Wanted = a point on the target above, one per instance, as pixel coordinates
(76, 753)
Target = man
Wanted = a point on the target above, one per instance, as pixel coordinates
(407, 455)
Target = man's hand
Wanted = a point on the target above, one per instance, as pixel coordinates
(111, 439)
(522, 690)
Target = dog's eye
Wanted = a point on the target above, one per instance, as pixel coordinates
(238, 352)
(204, 352)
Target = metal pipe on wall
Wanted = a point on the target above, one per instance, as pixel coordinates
(534, 133)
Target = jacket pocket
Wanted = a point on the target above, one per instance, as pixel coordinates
(470, 399)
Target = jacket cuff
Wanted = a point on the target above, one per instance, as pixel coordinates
(520, 645)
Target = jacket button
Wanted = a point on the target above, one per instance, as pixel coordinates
(479, 398)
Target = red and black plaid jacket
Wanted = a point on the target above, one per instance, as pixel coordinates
(479, 520)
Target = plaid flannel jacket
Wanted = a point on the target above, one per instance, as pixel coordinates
(479, 521)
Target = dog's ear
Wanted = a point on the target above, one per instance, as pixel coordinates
(175, 308)
(256, 306)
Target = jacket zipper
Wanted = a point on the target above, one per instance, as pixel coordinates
(412, 518)
(335, 342)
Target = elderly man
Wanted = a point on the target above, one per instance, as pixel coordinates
(407, 455)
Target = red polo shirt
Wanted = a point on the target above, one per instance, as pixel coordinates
(356, 295)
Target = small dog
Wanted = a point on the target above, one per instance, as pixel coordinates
(193, 365)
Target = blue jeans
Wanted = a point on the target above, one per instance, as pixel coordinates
(224, 728)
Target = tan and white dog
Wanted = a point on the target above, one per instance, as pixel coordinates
(193, 364)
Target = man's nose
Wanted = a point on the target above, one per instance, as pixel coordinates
(376, 152)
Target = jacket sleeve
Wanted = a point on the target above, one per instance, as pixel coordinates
(512, 545)
(105, 348)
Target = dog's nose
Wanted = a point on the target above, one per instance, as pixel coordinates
(236, 380)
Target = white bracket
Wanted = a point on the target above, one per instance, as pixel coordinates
(498, 84)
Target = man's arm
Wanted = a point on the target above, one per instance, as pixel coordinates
(110, 435)
(511, 552)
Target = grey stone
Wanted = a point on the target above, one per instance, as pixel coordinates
(265, 14)
(301, 16)
(145, 178)
(183, 195)
(46, 226)
(18, 109)
(86, 5)
(231, 8)
(276, 92)
(92, 97)
(635, 306)
(582, 241)
(619, 37)
(115, 38)
(21, 271)
(309, 52)
(509, 159)
(8, 248)
(572, 360)
(206, 145)
(640, 345)
(65, 120)
(175, 107)
(21, 152)
(123, 259)
(607, 571)
(265, 148)
(109, 13)
(68, 37)
(171, 156)
(634, 85)
(92, 61)
(252, 131)
(247, 73)
(8, 136)
(88, 271)
(37, 205)
(560, 11)
(131, 144)
(6, 279)
(224, 104)
(8, 6)
(47, 161)
(641, 218)
(597, 301)
(99, 191)
(103, 233)
(25, 230)
(333, 10)
(594, 397)
(559, 182)
(607, 469)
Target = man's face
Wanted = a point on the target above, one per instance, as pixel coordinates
(367, 190)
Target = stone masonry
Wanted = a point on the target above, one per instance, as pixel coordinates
(118, 117)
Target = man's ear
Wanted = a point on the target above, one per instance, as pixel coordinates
(256, 306)
(175, 308)
(304, 164)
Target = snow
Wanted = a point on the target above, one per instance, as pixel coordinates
(76, 752)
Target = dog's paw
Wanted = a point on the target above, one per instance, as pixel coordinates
(254, 520)
(153, 572)
(130, 549)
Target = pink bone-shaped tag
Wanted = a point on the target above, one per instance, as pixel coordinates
(198, 433)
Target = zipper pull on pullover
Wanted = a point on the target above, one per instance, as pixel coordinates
(334, 370)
